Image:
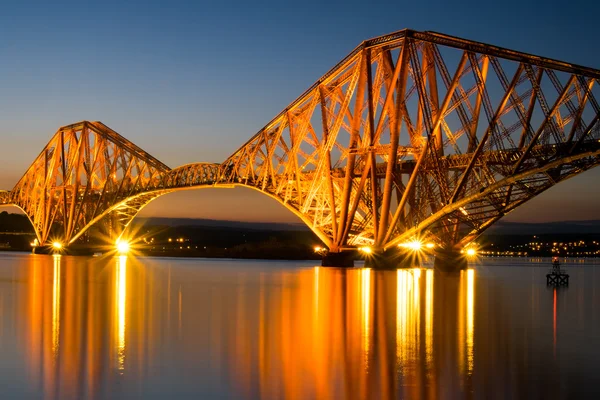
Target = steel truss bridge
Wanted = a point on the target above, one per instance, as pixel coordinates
(412, 134)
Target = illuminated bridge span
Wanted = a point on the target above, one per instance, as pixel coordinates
(412, 135)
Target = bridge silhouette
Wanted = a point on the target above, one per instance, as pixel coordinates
(412, 135)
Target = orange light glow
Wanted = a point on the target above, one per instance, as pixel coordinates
(123, 246)
(56, 305)
(120, 309)
(366, 250)
(470, 318)
(414, 245)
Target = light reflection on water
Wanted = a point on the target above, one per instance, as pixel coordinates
(120, 304)
(73, 328)
(56, 304)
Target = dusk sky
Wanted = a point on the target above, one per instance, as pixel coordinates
(192, 81)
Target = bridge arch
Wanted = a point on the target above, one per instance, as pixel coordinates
(125, 212)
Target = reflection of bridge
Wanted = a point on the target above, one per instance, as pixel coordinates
(412, 134)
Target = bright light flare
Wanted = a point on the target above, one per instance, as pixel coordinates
(414, 245)
(57, 245)
(366, 250)
(430, 245)
(123, 246)
(318, 249)
(471, 252)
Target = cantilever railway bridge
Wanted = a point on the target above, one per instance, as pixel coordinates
(413, 134)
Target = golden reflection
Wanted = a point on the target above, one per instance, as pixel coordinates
(56, 305)
(76, 323)
(429, 317)
(316, 291)
(461, 320)
(466, 320)
(314, 333)
(121, 299)
(408, 316)
(416, 274)
(470, 316)
(365, 276)
(401, 317)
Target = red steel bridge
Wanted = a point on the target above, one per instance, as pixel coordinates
(411, 135)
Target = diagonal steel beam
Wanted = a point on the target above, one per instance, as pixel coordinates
(540, 130)
(486, 135)
(400, 73)
(577, 121)
(354, 135)
(411, 182)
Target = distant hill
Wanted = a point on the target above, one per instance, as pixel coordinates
(545, 228)
(212, 223)
(20, 223)
(499, 228)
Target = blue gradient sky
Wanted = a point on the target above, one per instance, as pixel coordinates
(192, 81)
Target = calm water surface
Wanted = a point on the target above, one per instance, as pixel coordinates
(126, 328)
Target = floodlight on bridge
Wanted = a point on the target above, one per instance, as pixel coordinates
(366, 250)
(123, 246)
(413, 245)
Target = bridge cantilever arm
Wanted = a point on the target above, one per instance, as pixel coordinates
(486, 135)
(501, 52)
(490, 189)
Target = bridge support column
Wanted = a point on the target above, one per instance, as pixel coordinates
(449, 260)
(342, 259)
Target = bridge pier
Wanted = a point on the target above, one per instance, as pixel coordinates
(449, 260)
(342, 259)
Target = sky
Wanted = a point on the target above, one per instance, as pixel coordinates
(192, 81)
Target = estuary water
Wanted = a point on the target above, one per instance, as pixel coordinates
(153, 328)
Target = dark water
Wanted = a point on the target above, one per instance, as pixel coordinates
(126, 328)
